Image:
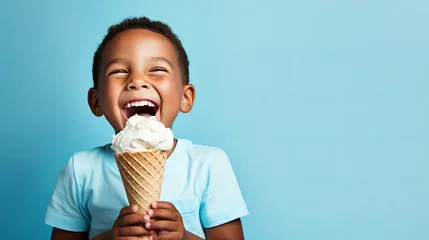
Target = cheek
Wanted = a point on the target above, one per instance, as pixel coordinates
(174, 99)
(112, 91)
(110, 96)
(171, 101)
(170, 92)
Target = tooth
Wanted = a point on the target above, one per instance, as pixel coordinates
(140, 104)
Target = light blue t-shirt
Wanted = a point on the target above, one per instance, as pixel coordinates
(198, 180)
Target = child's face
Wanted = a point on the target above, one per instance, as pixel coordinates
(140, 74)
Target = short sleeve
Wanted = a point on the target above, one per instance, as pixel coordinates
(65, 210)
(222, 200)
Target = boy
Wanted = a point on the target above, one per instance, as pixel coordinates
(141, 68)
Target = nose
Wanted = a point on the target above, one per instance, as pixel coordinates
(137, 84)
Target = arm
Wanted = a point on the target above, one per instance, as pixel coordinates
(127, 225)
(191, 236)
(229, 231)
(59, 234)
(222, 205)
(65, 213)
(168, 220)
(103, 236)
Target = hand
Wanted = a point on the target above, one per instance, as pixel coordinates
(130, 225)
(167, 220)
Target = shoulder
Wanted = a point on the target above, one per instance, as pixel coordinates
(83, 163)
(204, 154)
(207, 159)
(91, 155)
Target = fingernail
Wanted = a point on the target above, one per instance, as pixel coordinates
(154, 204)
(145, 238)
(134, 208)
(150, 238)
(147, 225)
(150, 212)
(146, 218)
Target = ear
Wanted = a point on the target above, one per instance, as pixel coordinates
(93, 102)
(188, 98)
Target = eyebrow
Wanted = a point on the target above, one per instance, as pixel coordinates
(117, 60)
(162, 59)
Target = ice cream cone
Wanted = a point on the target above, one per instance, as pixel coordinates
(142, 175)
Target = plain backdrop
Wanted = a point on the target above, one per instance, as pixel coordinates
(322, 107)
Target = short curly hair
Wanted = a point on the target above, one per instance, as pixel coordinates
(142, 23)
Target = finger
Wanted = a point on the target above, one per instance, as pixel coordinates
(131, 219)
(165, 237)
(132, 231)
(163, 225)
(164, 205)
(136, 238)
(128, 210)
(164, 214)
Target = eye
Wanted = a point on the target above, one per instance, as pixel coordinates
(158, 69)
(117, 71)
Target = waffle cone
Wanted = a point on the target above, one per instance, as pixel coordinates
(142, 174)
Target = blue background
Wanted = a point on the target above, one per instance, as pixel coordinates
(322, 106)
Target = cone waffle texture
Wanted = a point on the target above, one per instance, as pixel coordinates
(142, 174)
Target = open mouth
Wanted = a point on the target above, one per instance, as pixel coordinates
(143, 108)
